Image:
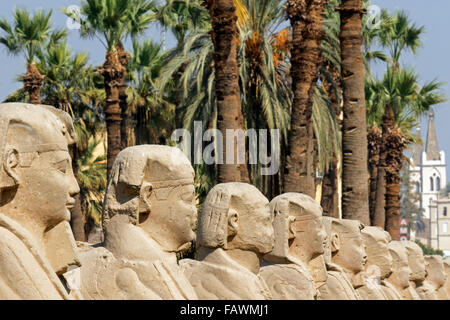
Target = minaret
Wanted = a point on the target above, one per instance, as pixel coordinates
(432, 147)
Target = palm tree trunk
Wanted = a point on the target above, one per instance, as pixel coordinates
(112, 71)
(375, 140)
(394, 146)
(330, 196)
(379, 215)
(229, 112)
(330, 182)
(305, 57)
(126, 124)
(33, 82)
(355, 198)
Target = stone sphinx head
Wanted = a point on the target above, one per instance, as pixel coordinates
(327, 222)
(236, 216)
(435, 270)
(298, 228)
(37, 184)
(347, 245)
(400, 268)
(379, 260)
(152, 187)
(416, 261)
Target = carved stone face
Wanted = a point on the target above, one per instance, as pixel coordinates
(376, 241)
(49, 184)
(255, 230)
(176, 215)
(435, 270)
(400, 268)
(36, 155)
(348, 246)
(416, 261)
(309, 236)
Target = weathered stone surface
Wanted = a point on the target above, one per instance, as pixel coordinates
(235, 231)
(345, 257)
(432, 287)
(299, 238)
(399, 278)
(149, 216)
(416, 262)
(378, 266)
(37, 187)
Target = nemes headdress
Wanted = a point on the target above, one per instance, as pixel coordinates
(32, 129)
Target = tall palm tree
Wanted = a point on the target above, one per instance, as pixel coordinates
(398, 102)
(355, 198)
(28, 35)
(396, 34)
(153, 116)
(229, 114)
(264, 74)
(112, 21)
(300, 168)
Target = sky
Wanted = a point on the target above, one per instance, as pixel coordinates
(431, 61)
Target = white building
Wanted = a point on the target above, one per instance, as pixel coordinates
(429, 169)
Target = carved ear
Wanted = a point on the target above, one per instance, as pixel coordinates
(10, 164)
(144, 197)
(291, 232)
(335, 242)
(233, 222)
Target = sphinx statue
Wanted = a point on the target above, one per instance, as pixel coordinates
(149, 217)
(401, 272)
(37, 188)
(378, 266)
(447, 279)
(416, 262)
(433, 286)
(345, 258)
(299, 239)
(235, 231)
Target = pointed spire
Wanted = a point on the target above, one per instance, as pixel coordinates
(432, 147)
(417, 150)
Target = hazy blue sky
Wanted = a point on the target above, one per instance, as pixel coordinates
(431, 62)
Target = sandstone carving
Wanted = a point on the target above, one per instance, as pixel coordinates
(299, 239)
(416, 262)
(433, 286)
(447, 272)
(37, 188)
(345, 257)
(378, 266)
(149, 217)
(401, 271)
(235, 231)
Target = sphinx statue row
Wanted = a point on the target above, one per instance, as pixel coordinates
(247, 247)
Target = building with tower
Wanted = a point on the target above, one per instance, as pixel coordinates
(428, 169)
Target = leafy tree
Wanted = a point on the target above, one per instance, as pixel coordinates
(427, 250)
(111, 22)
(27, 36)
(408, 201)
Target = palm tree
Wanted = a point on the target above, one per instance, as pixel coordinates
(112, 21)
(397, 102)
(300, 168)
(229, 114)
(92, 181)
(153, 116)
(264, 74)
(28, 35)
(355, 198)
